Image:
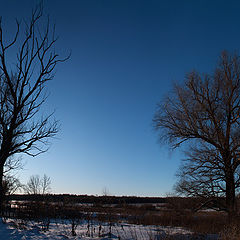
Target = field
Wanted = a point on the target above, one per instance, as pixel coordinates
(62, 230)
(171, 218)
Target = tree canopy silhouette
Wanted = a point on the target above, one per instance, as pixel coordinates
(23, 129)
(205, 112)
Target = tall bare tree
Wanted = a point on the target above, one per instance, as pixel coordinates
(11, 185)
(33, 185)
(38, 185)
(205, 112)
(22, 89)
(45, 184)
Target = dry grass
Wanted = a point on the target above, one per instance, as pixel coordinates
(230, 232)
(197, 222)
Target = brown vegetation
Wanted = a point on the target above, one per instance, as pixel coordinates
(168, 214)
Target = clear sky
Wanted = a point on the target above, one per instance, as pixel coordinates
(125, 56)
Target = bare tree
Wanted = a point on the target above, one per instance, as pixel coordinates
(11, 185)
(204, 111)
(22, 89)
(201, 173)
(105, 192)
(33, 185)
(45, 184)
(38, 185)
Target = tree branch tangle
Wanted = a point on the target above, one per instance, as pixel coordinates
(22, 89)
(205, 111)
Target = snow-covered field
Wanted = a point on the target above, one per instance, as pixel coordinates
(62, 230)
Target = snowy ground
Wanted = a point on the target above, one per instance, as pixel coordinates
(62, 230)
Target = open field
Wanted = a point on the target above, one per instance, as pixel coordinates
(62, 229)
(96, 230)
(171, 218)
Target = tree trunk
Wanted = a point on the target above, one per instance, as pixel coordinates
(230, 196)
(1, 190)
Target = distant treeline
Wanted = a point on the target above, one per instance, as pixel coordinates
(86, 199)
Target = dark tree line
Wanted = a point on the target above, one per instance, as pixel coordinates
(87, 199)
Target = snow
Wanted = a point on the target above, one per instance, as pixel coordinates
(15, 229)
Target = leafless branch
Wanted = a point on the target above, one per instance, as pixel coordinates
(204, 112)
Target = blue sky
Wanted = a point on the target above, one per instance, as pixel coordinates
(125, 56)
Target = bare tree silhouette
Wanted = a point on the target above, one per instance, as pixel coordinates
(38, 185)
(22, 89)
(45, 184)
(204, 111)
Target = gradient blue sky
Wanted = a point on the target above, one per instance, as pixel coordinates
(125, 56)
